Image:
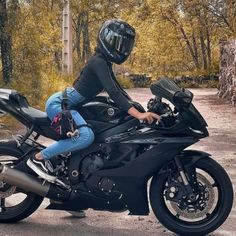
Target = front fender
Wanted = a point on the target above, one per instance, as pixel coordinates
(195, 153)
(190, 157)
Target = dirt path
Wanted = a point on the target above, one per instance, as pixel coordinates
(222, 145)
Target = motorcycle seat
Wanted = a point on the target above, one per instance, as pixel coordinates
(36, 116)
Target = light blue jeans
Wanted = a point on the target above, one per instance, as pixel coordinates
(86, 135)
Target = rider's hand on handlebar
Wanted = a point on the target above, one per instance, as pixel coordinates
(149, 117)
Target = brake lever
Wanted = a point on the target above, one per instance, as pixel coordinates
(161, 123)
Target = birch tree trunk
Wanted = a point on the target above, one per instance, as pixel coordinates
(227, 79)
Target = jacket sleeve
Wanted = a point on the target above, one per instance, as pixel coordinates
(104, 75)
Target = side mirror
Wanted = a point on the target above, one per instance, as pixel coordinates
(183, 97)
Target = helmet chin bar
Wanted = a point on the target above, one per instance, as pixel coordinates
(103, 45)
(122, 60)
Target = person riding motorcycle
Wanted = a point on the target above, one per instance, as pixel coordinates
(115, 42)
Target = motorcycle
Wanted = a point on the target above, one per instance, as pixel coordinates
(189, 192)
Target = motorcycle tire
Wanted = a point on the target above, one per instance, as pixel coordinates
(186, 226)
(30, 201)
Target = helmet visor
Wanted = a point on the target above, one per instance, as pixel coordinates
(121, 43)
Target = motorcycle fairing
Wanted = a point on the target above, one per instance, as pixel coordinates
(130, 181)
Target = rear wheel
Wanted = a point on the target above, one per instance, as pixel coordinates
(211, 207)
(15, 204)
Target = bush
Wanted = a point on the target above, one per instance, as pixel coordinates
(125, 82)
(140, 81)
(206, 81)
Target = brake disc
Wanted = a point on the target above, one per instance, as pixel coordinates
(204, 200)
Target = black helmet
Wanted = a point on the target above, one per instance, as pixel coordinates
(116, 40)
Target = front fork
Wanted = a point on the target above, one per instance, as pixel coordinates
(187, 186)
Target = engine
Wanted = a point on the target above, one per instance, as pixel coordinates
(92, 163)
(107, 156)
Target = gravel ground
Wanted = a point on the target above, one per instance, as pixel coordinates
(221, 144)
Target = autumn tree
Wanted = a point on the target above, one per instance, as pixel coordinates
(224, 13)
(174, 38)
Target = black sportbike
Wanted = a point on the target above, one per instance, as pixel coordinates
(189, 192)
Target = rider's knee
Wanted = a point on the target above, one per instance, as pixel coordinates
(87, 135)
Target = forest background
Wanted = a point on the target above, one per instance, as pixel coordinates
(174, 38)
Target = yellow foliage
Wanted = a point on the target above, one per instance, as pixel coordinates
(124, 82)
(161, 48)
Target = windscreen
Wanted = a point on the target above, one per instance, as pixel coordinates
(166, 88)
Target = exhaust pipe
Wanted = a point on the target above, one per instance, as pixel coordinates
(32, 184)
(24, 181)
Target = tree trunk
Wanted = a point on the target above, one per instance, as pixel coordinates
(15, 4)
(5, 44)
(195, 49)
(86, 40)
(195, 58)
(203, 48)
(57, 59)
(79, 25)
(227, 79)
(208, 47)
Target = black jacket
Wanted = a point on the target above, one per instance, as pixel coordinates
(96, 76)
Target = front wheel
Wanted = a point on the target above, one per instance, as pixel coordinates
(211, 207)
